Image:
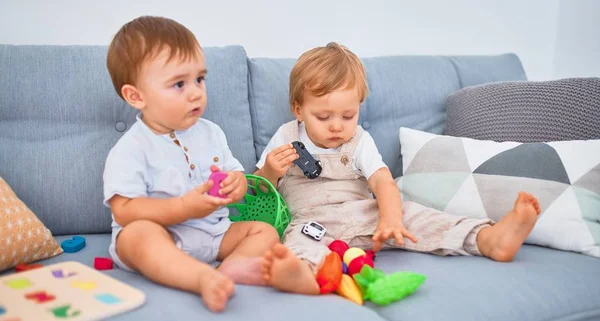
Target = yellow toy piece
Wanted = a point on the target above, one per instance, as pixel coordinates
(351, 254)
(349, 290)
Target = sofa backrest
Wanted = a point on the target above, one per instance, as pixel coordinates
(60, 115)
(408, 91)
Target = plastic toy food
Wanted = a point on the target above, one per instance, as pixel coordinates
(384, 289)
(339, 246)
(349, 290)
(356, 265)
(330, 274)
(351, 254)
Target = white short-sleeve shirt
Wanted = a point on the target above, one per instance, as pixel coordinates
(366, 159)
(145, 164)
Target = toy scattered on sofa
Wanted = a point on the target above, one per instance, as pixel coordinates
(75, 244)
(65, 290)
(103, 263)
(357, 279)
(26, 267)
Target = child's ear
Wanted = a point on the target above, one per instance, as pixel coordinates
(133, 96)
(296, 110)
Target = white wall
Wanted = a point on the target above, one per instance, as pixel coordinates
(286, 29)
(578, 39)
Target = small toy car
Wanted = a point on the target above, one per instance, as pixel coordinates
(308, 164)
(314, 230)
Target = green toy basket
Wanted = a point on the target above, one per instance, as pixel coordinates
(262, 204)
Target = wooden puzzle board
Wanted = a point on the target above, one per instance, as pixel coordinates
(65, 291)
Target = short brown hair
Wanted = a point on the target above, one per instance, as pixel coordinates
(143, 38)
(324, 69)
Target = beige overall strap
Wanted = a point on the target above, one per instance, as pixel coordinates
(350, 146)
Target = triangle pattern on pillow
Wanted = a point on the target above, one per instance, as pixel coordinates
(535, 160)
(578, 157)
(433, 190)
(590, 180)
(479, 151)
(467, 194)
(429, 158)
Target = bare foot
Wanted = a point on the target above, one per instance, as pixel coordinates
(285, 272)
(215, 289)
(243, 270)
(502, 241)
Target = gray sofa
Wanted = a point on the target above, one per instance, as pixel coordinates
(59, 116)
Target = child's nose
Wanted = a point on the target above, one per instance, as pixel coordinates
(336, 127)
(195, 94)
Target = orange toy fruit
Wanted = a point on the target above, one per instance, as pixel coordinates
(330, 274)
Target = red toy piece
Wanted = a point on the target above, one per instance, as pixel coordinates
(26, 267)
(339, 247)
(329, 276)
(103, 263)
(371, 254)
(357, 264)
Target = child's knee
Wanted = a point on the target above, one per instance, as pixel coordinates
(137, 233)
(268, 232)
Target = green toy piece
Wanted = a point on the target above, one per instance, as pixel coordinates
(262, 203)
(384, 289)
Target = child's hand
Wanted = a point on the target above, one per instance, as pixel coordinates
(197, 203)
(279, 160)
(388, 228)
(234, 186)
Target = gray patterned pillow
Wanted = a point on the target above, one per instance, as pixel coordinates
(481, 179)
(527, 111)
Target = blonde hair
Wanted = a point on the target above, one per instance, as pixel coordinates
(143, 38)
(324, 69)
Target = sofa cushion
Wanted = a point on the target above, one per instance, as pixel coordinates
(476, 70)
(532, 111)
(540, 284)
(60, 115)
(406, 91)
(23, 237)
(477, 178)
(269, 98)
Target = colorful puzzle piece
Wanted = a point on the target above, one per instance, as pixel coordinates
(73, 245)
(84, 285)
(103, 263)
(40, 297)
(27, 267)
(63, 312)
(60, 274)
(108, 298)
(18, 284)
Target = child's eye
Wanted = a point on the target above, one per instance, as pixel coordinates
(349, 117)
(322, 118)
(179, 84)
(199, 80)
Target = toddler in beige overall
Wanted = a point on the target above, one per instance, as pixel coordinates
(327, 86)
